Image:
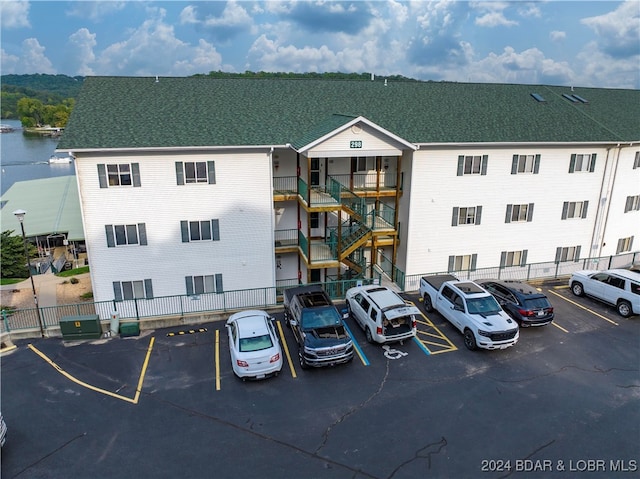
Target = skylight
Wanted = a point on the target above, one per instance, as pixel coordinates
(579, 98)
(538, 97)
(570, 98)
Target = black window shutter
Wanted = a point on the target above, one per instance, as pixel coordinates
(620, 244)
(452, 262)
(523, 259)
(188, 280)
(219, 288)
(184, 228)
(111, 241)
(530, 212)
(474, 260)
(485, 160)
(507, 217)
(503, 259)
(585, 206)
(454, 216)
(102, 176)
(578, 253)
(215, 230)
(142, 233)
(211, 166)
(565, 207)
(460, 165)
(536, 165)
(558, 254)
(627, 205)
(135, 170)
(478, 214)
(572, 163)
(117, 291)
(179, 173)
(514, 164)
(148, 289)
(592, 166)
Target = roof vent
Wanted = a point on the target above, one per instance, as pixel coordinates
(538, 97)
(157, 81)
(385, 82)
(373, 76)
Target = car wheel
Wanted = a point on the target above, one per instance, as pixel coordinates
(369, 335)
(624, 309)
(470, 340)
(428, 307)
(577, 289)
(303, 363)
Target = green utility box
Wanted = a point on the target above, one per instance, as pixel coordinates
(81, 327)
(129, 329)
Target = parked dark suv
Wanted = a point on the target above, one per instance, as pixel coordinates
(524, 303)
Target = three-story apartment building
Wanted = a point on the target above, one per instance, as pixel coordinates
(198, 185)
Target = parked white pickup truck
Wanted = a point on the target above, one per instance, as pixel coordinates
(617, 287)
(471, 309)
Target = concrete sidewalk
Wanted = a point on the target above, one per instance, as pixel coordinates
(46, 288)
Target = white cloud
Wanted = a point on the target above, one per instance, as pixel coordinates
(95, 10)
(33, 59)
(618, 30)
(81, 45)
(153, 49)
(494, 19)
(556, 36)
(14, 14)
(9, 62)
(603, 71)
(233, 15)
(268, 55)
(188, 15)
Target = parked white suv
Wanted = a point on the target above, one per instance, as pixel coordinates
(382, 313)
(617, 287)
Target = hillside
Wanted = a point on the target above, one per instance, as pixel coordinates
(48, 89)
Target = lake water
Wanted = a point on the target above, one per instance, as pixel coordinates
(25, 157)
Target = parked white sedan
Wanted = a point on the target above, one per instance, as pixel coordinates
(253, 345)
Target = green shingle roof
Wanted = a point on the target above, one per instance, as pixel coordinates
(140, 112)
(55, 208)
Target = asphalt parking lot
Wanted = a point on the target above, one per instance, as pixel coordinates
(563, 402)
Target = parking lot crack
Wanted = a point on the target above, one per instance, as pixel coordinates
(595, 369)
(424, 452)
(327, 432)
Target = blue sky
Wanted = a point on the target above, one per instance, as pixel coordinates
(580, 43)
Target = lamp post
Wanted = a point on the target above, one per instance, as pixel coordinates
(20, 215)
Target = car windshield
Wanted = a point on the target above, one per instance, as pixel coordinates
(485, 305)
(320, 317)
(256, 343)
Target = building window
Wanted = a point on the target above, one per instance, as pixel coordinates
(124, 290)
(580, 162)
(314, 220)
(203, 284)
(513, 258)
(570, 253)
(519, 213)
(463, 263)
(469, 215)
(624, 245)
(195, 172)
(200, 230)
(119, 235)
(574, 209)
(472, 165)
(632, 204)
(120, 174)
(525, 164)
